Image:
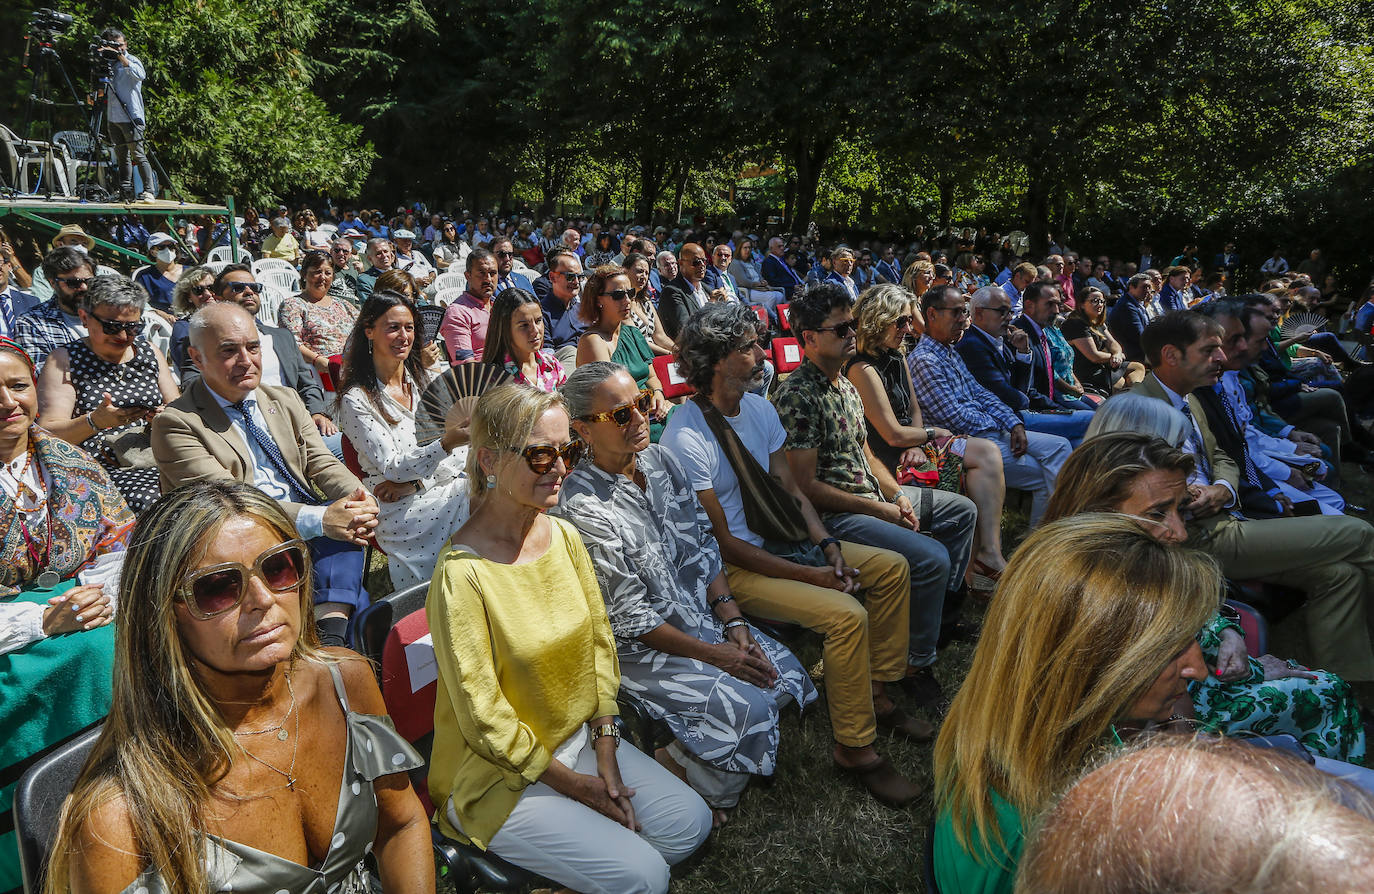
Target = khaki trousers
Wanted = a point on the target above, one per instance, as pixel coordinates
(1330, 558)
(863, 641)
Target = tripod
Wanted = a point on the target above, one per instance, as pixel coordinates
(105, 85)
(40, 100)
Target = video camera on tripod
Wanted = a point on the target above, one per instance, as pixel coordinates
(45, 24)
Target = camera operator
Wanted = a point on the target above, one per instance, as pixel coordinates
(124, 109)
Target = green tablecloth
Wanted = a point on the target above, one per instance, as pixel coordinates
(49, 691)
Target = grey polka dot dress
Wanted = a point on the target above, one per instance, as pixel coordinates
(131, 382)
(374, 749)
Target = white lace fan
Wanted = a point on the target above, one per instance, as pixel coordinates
(461, 386)
(1298, 323)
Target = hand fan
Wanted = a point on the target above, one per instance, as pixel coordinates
(1298, 322)
(430, 318)
(461, 385)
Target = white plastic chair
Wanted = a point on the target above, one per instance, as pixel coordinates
(215, 266)
(262, 264)
(329, 228)
(26, 156)
(158, 331)
(449, 281)
(223, 253)
(288, 280)
(445, 297)
(270, 302)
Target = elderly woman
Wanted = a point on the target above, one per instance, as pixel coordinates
(611, 335)
(1109, 637)
(687, 654)
(900, 440)
(1098, 362)
(515, 342)
(528, 761)
(238, 755)
(644, 304)
(421, 492)
(1121, 470)
(63, 528)
(320, 322)
(101, 391)
(193, 290)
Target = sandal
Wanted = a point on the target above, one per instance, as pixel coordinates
(982, 579)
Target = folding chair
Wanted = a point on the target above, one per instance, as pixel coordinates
(783, 322)
(264, 264)
(674, 385)
(38, 800)
(787, 355)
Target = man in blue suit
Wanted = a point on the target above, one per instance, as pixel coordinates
(1130, 315)
(506, 277)
(779, 275)
(998, 356)
(1043, 302)
(13, 302)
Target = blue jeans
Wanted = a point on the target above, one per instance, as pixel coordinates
(938, 559)
(1071, 427)
(337, 572)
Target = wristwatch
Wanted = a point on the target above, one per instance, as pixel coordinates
(930, 435)
(607, 729)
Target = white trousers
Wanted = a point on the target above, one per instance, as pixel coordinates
(1036, 469)
(567, 842)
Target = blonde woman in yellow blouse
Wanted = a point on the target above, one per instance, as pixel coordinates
(527, 759)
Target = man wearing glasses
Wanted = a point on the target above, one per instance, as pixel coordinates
(345, 274)
(951, 398)
(55, 322)
(506, 277)
(13, 302)
(557, 292)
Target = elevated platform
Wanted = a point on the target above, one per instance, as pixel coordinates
(41, 211)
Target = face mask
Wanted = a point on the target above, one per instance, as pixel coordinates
(165, 255)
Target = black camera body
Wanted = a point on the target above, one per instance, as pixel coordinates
(49, 22)
(103, 52)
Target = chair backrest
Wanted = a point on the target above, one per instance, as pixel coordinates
(674, 385)
(159, 333)
(269, 303)
(329, 228)
(445, 297)
(288, 279)
(331, 381)
(134, 275)
(216, 266)
(760, 312)
(1255, 627)
(783, 322)
(224, 253)
(787, 354)
(410, 684)
(38, 800)
(262, 264)
(450, 281)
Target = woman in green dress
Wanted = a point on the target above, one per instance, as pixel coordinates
(612, 335)
(63, 527)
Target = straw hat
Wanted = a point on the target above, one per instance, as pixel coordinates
(73, 230)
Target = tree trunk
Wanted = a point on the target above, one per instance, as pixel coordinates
(946, 204)
(789, 201)
(1037, 215)
(682, 174)
(809, 159)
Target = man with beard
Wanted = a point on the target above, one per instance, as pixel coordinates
(464, 328)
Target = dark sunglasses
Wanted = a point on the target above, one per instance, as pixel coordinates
(76, 282)
(240, 287)
(841, 330)
(1000, 311)
(541, 457)
(905, 322)
(504, 254)
(114, 327)
(624, 414)
(619, 294)
(205, 290)
(213, 591)
(575, 277)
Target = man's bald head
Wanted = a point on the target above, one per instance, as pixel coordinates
(212, 317)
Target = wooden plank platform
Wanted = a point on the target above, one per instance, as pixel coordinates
(72, 205)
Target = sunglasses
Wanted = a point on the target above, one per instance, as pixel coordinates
(618, 294)
(115, 327)
(203, 290)
(905, 322)
(541, 457)
(575, 277)
(1000, 311)
(623, 415)
(504, 254)
(76, 282)
(213, 591)
(841, 330)
(239, 288)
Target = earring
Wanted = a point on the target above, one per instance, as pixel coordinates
(491, 482)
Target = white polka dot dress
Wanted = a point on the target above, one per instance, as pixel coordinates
(131, 382)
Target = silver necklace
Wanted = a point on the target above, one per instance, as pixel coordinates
(289, 772)
(280, 728)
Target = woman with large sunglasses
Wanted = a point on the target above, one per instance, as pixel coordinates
(238, 755)
(612, 335)
(885, 315)
(101, 391)
(63, 528)
(687, 654)
(527, 758)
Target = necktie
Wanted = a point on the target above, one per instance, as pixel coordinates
(7, 311)
(274, 456)
(1199, 451)
(1251, 471)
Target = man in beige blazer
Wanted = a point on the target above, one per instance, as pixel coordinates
(1330, 558)
(229, 426)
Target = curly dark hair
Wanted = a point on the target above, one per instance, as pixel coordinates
(710, 335)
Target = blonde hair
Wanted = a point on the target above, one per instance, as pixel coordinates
(879, 307)
(165, 744)
(1098, 475)
(502, 421)
(1088, 613)
(920, 265)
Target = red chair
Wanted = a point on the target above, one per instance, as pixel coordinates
(785, 323)
(787, 354)
(674, 385)
(760, 313)
(335, 373)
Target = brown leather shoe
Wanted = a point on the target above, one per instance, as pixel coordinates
(900, 723)
(883, 782)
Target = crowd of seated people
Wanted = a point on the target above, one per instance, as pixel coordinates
(590, 542)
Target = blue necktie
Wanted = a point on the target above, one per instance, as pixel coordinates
(269, 447)
(1251, 471)
(7, 311)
